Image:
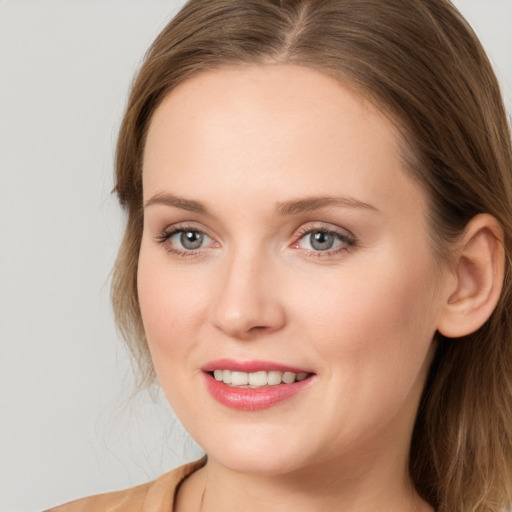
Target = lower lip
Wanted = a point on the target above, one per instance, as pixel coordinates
(253, 399)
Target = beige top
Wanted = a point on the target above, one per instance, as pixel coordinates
(156, 496)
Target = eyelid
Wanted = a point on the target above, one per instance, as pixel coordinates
(163, 238)
(322, 226)
(344, 236)
(185, 226)
(347, 239)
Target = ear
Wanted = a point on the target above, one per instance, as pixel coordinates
(478, 272)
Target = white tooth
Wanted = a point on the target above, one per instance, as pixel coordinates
(239, 378)
(258, 379)
(226, 376)
(274, 378)
(288, 377)
(218, 374)
(301, 376)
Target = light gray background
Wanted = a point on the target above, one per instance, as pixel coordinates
(68, 426)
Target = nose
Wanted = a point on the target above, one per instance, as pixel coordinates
(247, 302)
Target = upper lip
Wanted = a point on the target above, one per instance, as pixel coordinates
(250, 366)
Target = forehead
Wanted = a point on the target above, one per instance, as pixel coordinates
(291, 93)
(289, 125)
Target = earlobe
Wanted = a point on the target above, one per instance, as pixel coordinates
(478, 271)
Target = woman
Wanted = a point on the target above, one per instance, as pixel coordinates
(316, 265)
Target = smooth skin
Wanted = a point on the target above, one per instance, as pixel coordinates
(254, 162)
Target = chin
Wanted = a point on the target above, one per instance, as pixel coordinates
(256, 453)
(255, 462)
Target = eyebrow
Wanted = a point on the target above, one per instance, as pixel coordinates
(315, 203)
(285, 208)
(177, 202)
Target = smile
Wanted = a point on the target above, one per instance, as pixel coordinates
(254, 385)
(258, 379)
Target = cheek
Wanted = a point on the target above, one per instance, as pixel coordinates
(374, 336)
(171, 315)
(376, 321)
(171, 306)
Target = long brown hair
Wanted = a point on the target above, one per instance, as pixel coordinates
(420, 62)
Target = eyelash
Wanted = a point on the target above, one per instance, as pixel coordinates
(348, 241)
(168, 233)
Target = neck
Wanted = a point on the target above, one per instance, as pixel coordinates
(366, 486)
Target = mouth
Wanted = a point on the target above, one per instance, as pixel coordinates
(259, 379)
(255, 385)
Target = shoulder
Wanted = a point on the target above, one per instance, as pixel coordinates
(155, 496)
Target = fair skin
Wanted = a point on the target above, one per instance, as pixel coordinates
(234, 157)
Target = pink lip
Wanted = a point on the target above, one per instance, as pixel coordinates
(250, 366)
(251, 399)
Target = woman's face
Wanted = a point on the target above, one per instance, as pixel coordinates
(282, 234)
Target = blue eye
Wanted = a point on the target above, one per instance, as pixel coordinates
(189, 239)
(322, 240)
(184, 241)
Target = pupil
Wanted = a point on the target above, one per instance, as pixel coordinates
(191, 239)
(322, 241)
